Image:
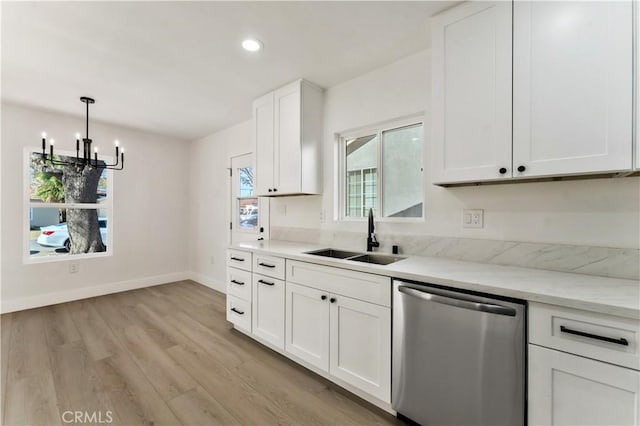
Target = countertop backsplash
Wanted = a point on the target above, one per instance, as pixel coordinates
(599, 261)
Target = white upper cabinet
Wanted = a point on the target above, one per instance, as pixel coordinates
(472, 92)
(263, 125)
(572, 87)
(288, 138)
(571, 108)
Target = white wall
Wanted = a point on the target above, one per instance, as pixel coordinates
(150, 212)
(209, 188)
(602, 212)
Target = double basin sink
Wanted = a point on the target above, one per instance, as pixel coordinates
(377, 259)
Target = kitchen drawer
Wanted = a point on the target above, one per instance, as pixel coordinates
(239, 259)
(239, 283)
(269, 266)
(359, 285)
(239, 312)
(598, 336)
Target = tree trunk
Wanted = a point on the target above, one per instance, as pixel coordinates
(81, 186)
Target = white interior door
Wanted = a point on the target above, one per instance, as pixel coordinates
(249, 214)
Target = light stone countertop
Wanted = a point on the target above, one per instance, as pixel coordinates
(598, 294)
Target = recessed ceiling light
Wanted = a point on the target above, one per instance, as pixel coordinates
(252, 45)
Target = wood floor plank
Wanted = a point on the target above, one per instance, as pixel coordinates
(59, 325)
(77, 384)
(228, 354)
(360, 411)
(301, 405)
(32, 401)
(162, 331)
(96, 334)
(28, 353)
(166, 376)
(6, 321)
(227, 387)
(197, 407)
(133, 397)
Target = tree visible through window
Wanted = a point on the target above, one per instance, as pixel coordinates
(69, 208)
(247, 203)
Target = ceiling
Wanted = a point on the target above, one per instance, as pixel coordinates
(177, 68)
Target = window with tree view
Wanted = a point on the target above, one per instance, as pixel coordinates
(383, 171)
(247, 202)
(68, 209)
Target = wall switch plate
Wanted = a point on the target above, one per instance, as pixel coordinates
(74, 268)
(473, 218)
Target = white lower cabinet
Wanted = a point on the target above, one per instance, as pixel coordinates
(360, 345)
(349, 338)
(239, 313)
(307, 322)
(566, 389)
(268, 309)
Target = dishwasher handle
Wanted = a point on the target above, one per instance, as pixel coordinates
(460, 303)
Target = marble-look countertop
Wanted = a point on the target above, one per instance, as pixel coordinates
(613, 296)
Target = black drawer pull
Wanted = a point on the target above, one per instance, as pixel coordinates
(621, 341)
(237, 282)
(237, 259)
(237, 311)
(266, 265)
(266, 282)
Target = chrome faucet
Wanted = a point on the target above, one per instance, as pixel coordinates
(371, 237)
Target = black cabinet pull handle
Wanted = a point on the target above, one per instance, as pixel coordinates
(521, 169)
(323, 297)
(237, 282)
(237, 259)
(621, 341)
(332, 300)
(502, 170)
(266, 265)
(270, 189)
(266, 282)
(237, 311)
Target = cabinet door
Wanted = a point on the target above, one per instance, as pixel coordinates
(360, 342)
(268, 309)
(263, 133)
(471, 107)
(287, 101)
(307, 325)
(572, 87)
(567, 389)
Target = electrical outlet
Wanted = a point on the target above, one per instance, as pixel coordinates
(74, 268)
(473, 218)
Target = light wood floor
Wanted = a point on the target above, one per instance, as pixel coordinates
(162, 355)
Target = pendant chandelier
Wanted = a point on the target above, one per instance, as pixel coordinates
(85, 160)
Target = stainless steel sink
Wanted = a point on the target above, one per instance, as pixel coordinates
(337, 254)
(377, 259)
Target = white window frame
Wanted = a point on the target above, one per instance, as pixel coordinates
(341, 180)
(106, 204)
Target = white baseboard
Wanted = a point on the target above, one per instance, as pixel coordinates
(208, 282)
(19, 304)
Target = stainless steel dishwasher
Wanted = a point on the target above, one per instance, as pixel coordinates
(458, 357)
